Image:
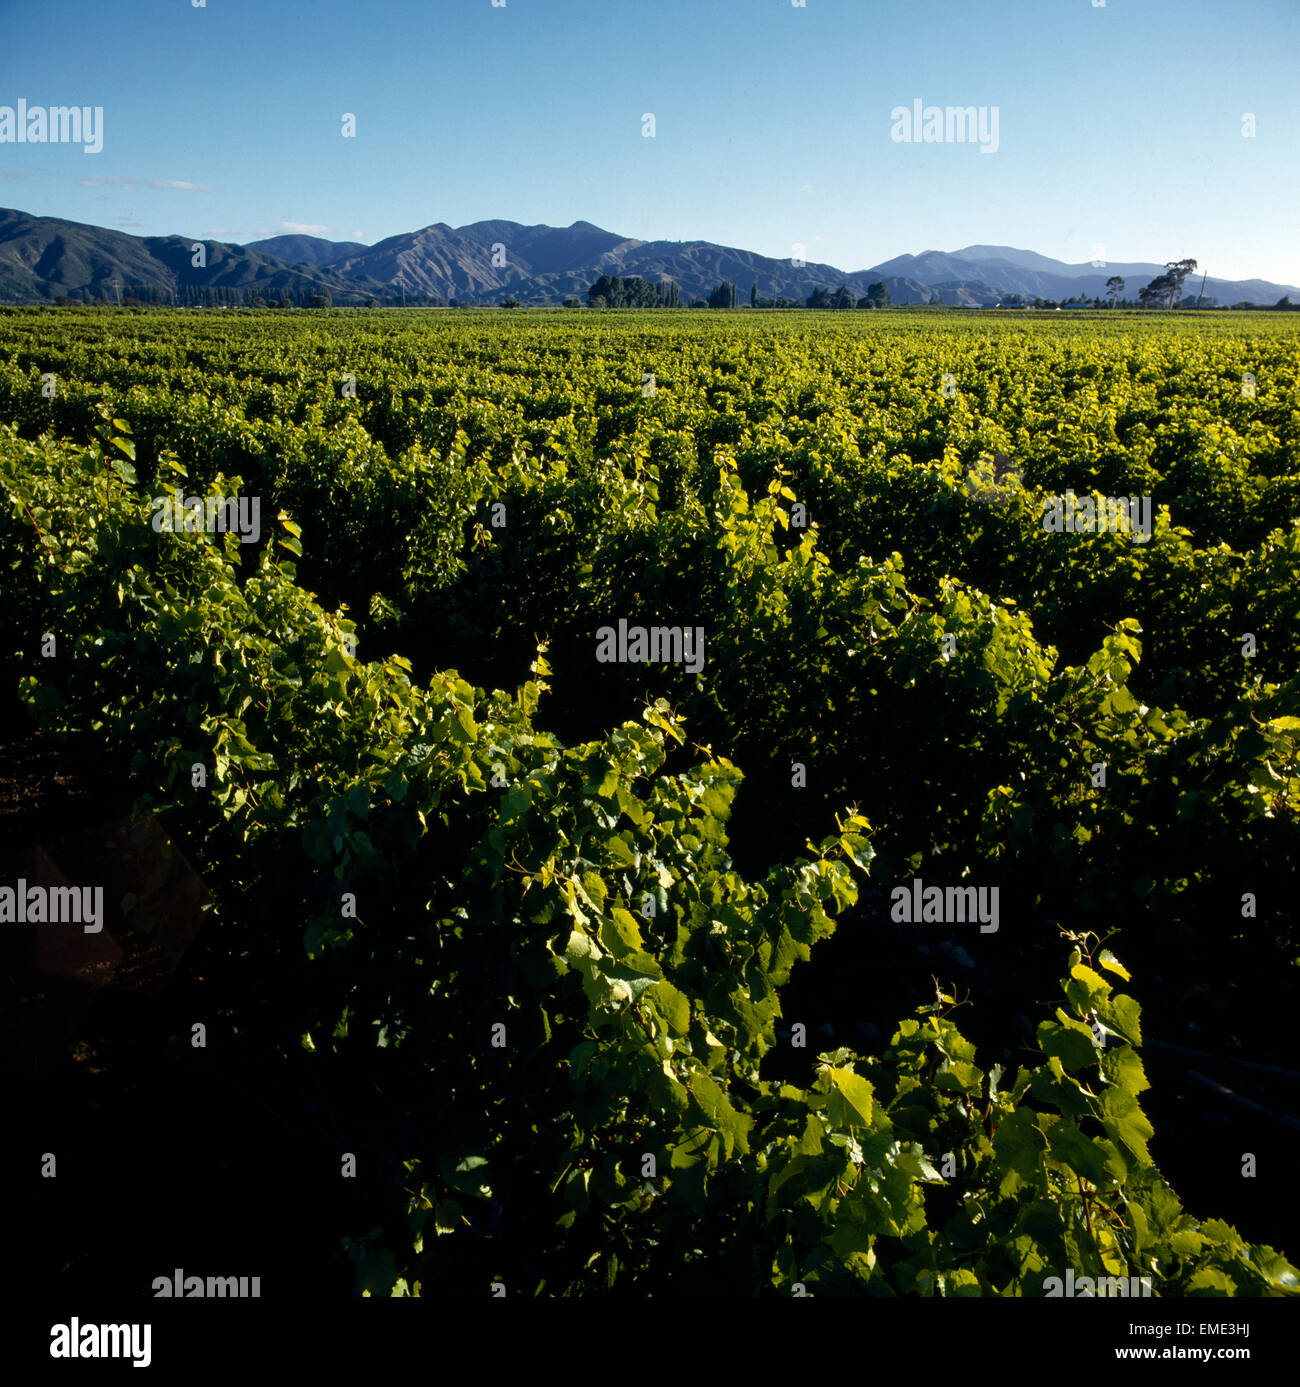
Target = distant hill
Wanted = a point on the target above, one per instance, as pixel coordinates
(985, 275)
(43, 258)
(306, 250)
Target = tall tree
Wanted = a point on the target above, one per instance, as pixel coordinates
(1178, 271)
(1157, 292)
(603, 289)
(1114, 288)
(877, 296)
(753, 294)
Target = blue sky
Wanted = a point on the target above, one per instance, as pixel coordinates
(1118, 125)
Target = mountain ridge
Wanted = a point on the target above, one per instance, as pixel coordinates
(43, 258)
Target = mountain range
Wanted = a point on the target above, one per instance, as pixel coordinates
(46, 258)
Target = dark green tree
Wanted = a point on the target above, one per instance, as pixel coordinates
(632, 292)
(1159, 293)
(1178, 271)
(877, 296)
(606, 290)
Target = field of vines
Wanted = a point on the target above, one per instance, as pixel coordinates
(528, 964)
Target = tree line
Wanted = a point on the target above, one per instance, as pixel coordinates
(611, 291)
(1164, 291)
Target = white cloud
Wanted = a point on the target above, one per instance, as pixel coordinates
(133, 185)
(285, 228)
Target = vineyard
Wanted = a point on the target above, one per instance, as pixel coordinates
(569, 742)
